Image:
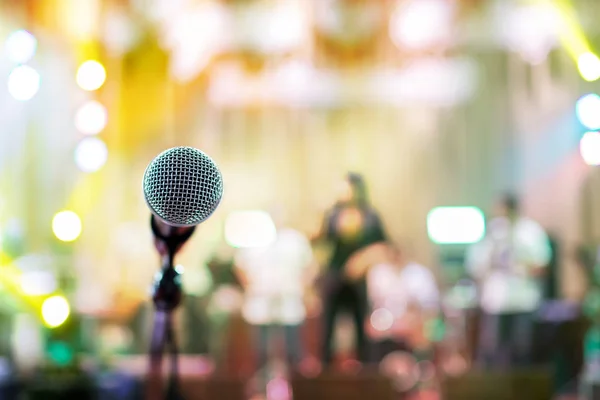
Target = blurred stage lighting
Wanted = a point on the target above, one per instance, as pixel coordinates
(589, 66)
(402, 369)
(588, 111)
(91, 118)
(91, 154)
(455, 225)
(20, 46)
(421, 23)
(91, 75)
(278, 389)
(38, 283)
(531, 29)
(66, 226)
(589, 148)
(60, 353)
(382, 319)
(23, 83)
(55, 311)
(246, 229)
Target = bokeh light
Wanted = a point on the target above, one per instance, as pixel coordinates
(421, 23)
(588, 111)
(382, 319)
(401, 368)
(91, 154)
(589, 148)
(20, 46)
(55, 311)
(23, 83)
(455, 225)
(38, 283)
(91, 118)
(532, 29)
(589, 66)
(91, 75)
(278, 389)
(60, 353)
(246, 229)
(66, 226)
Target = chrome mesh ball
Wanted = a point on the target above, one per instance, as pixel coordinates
(183, 186)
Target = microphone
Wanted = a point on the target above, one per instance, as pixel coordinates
(182, 187)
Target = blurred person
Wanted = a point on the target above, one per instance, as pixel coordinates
(508, 265)
(224, 301)
(590, 373)
(403, 297)
(276, 278)
(351, 225)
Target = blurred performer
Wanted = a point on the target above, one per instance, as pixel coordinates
(351, 225)
(276, 278)
(403, 297)
(508, 264)
(590, 374)
(225, 299)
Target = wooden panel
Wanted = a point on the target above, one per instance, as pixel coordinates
(194, 388)
(347, 387)
(526, 385)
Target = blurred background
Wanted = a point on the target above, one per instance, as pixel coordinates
(442, 106)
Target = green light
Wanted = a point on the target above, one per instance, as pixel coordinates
(435, 330)
(60, 353)
(455, 225)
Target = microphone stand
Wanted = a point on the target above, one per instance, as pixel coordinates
(167, 296)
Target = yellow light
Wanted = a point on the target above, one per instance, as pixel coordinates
(91, 75)
(55, 311)
(66, 226)
(572, 35)
(589, 66)
(91, 118)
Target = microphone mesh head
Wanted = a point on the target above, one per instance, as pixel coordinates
(183, 186)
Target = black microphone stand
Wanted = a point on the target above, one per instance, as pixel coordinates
(167, 296)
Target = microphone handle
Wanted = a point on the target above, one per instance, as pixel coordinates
(168, 260)
(168, 292)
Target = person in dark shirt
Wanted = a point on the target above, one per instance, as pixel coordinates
(351, 225)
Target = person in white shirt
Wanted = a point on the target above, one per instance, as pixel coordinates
(508, 264)
(276, 278)
(403, 295)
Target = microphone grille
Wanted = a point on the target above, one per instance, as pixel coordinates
(183, 186)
